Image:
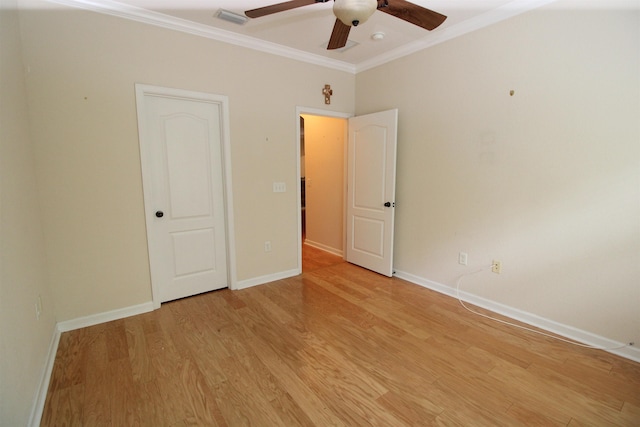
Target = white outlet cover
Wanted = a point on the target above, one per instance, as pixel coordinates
(463, 258)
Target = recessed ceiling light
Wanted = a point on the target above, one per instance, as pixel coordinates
(226, 15)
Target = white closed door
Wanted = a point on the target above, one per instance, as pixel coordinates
(371, 175)
(181, 152)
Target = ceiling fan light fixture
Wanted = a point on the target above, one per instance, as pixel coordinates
(354, 12)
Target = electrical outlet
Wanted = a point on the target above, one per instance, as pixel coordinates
(267, 246)
(38, 307)
(462, 258)
(496, 267)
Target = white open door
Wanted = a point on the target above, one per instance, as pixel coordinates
(181, 146)
(371, 187)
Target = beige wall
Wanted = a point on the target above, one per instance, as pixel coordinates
(547, 180)
(81, 97)
(24, 340)
(324, 166)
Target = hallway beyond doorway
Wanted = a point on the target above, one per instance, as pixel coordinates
(315, 259)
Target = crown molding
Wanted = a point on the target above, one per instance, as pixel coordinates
(145, 16)
(177, 24)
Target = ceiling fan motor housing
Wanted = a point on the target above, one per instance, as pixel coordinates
(354, 12)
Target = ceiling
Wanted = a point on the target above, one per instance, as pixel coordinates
(303, 33)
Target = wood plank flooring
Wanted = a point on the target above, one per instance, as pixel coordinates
(336, 346)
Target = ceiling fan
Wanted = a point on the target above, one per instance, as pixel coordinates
(353, 12)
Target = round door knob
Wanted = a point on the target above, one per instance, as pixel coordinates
(388, 204)
(159, 214)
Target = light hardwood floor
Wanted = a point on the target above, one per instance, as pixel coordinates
(336, 346)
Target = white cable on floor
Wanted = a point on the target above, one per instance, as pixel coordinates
(524, 327)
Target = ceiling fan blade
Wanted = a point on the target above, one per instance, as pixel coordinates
(407, 11)
(280, 7)
(339, 35)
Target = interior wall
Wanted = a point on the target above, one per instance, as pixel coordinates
(324, 178)
(83, 67)
(24, 339)
(546, 180)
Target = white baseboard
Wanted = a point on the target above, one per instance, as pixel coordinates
(43, 387)
(243, 284)
(585, 337)
(107, 316)
(323, 247)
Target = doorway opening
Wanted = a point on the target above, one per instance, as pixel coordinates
(367, 189)
(322, 174)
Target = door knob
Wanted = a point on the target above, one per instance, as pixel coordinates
(159, 214)
(388, 204)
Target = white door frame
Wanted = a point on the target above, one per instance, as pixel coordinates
(141, 91)
(325, 113)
